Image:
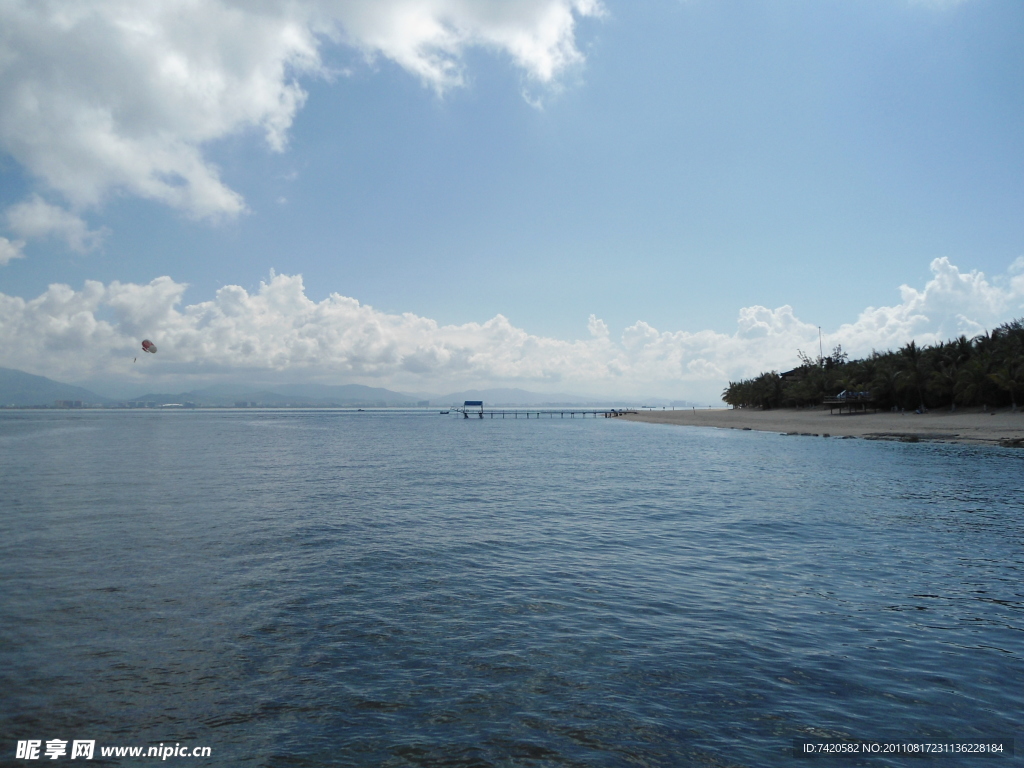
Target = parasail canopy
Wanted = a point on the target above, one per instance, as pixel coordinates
(148, 346)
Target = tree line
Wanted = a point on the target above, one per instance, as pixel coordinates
(987, 370)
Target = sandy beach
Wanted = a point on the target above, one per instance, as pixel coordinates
(971, 425)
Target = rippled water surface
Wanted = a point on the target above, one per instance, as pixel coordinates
(299, 588)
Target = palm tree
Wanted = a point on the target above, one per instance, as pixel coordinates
(1011, 378)
(950, 357)
(913, 370)
(960, 350)
(943, 382)
(885, 384)
(768, 390)
(972, 379)
(865, 371)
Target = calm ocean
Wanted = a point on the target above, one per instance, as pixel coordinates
(305, 588)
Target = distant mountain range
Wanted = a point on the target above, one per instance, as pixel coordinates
(291, 394)
(508, 397)
(18, 388)
(21, 389)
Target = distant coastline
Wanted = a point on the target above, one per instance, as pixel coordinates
(1000, 427)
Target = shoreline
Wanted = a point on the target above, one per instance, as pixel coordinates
(972, 426)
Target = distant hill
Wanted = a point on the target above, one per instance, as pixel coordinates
(162, 397)
(20, 389)
(348, 393)
(355, 395)
(228, 396)
(289, 394)
(505, 396)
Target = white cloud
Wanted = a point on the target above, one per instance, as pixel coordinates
(428, 38)
(951, 304)
(279, 330)
(36, 218)
(10, 250)
(105, 95)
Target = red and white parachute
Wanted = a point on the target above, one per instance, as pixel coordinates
(148, 346)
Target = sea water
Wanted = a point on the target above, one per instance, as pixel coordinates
(303, 588)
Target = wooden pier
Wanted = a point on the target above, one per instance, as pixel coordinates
(475, 409)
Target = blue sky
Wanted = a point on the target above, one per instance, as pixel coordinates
(711, 180)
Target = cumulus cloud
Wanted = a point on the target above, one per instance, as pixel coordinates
(951, 304)
(278, 330)
(105, 95)
(10, 250)
(35, 218)
(428, 38)
(598, 328)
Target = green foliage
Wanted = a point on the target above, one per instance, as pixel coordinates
(985, 370)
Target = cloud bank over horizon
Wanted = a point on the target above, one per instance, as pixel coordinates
(104, 97)
(277, 331)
